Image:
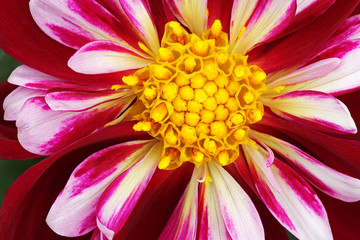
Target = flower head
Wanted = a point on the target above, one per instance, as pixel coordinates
(216, 92)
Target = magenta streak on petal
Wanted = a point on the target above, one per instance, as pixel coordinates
(92, 172)
(116, 221)
(310, 177)
(301, 188)
(95, 14)
(281, 24)
(88, 222)
(338, 50)
(269, 199)
(78, 126)
(69, 37)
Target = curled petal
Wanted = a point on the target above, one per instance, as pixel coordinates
(15, 100)
(326, 179)
(258, 156)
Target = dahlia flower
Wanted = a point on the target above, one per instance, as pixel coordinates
(184, 119)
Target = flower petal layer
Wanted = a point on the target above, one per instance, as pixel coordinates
(298, 208)
(44, 131)
(183, 222)
(77, 22)
(122, 195)
(106, 57)
(303, 43)
(15, 100)
(317, 109)
(241, 12)
(240, 216)
(74, 211)
(139, 12)
(30, 78)
(33, 193)
(344, 77)
(326, 179)
(268, 20)
(306, 73)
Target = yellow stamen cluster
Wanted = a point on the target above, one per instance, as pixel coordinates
(199, 98)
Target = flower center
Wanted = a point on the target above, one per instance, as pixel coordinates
(198, 98)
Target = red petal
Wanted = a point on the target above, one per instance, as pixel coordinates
(344, 217)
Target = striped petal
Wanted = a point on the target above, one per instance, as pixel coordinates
(317, 109)
(138, 11)
(239, 214)
(304, 74)
(212, 226)
(326, 179)
(298, 208)
(191, 13)
(106, 57)
(77, 22)
(349, 30)
(74, 211)
(30, 78)
(269, 19)
(15, 100)
(241, 12)
(183, 222)
(44, 131)
(76, 101)
(121, 196)
(344, 78)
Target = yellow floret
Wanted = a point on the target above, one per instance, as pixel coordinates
(186, 93)
(197, 81)
(210, 88)
(192, 118)
(218, 129)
